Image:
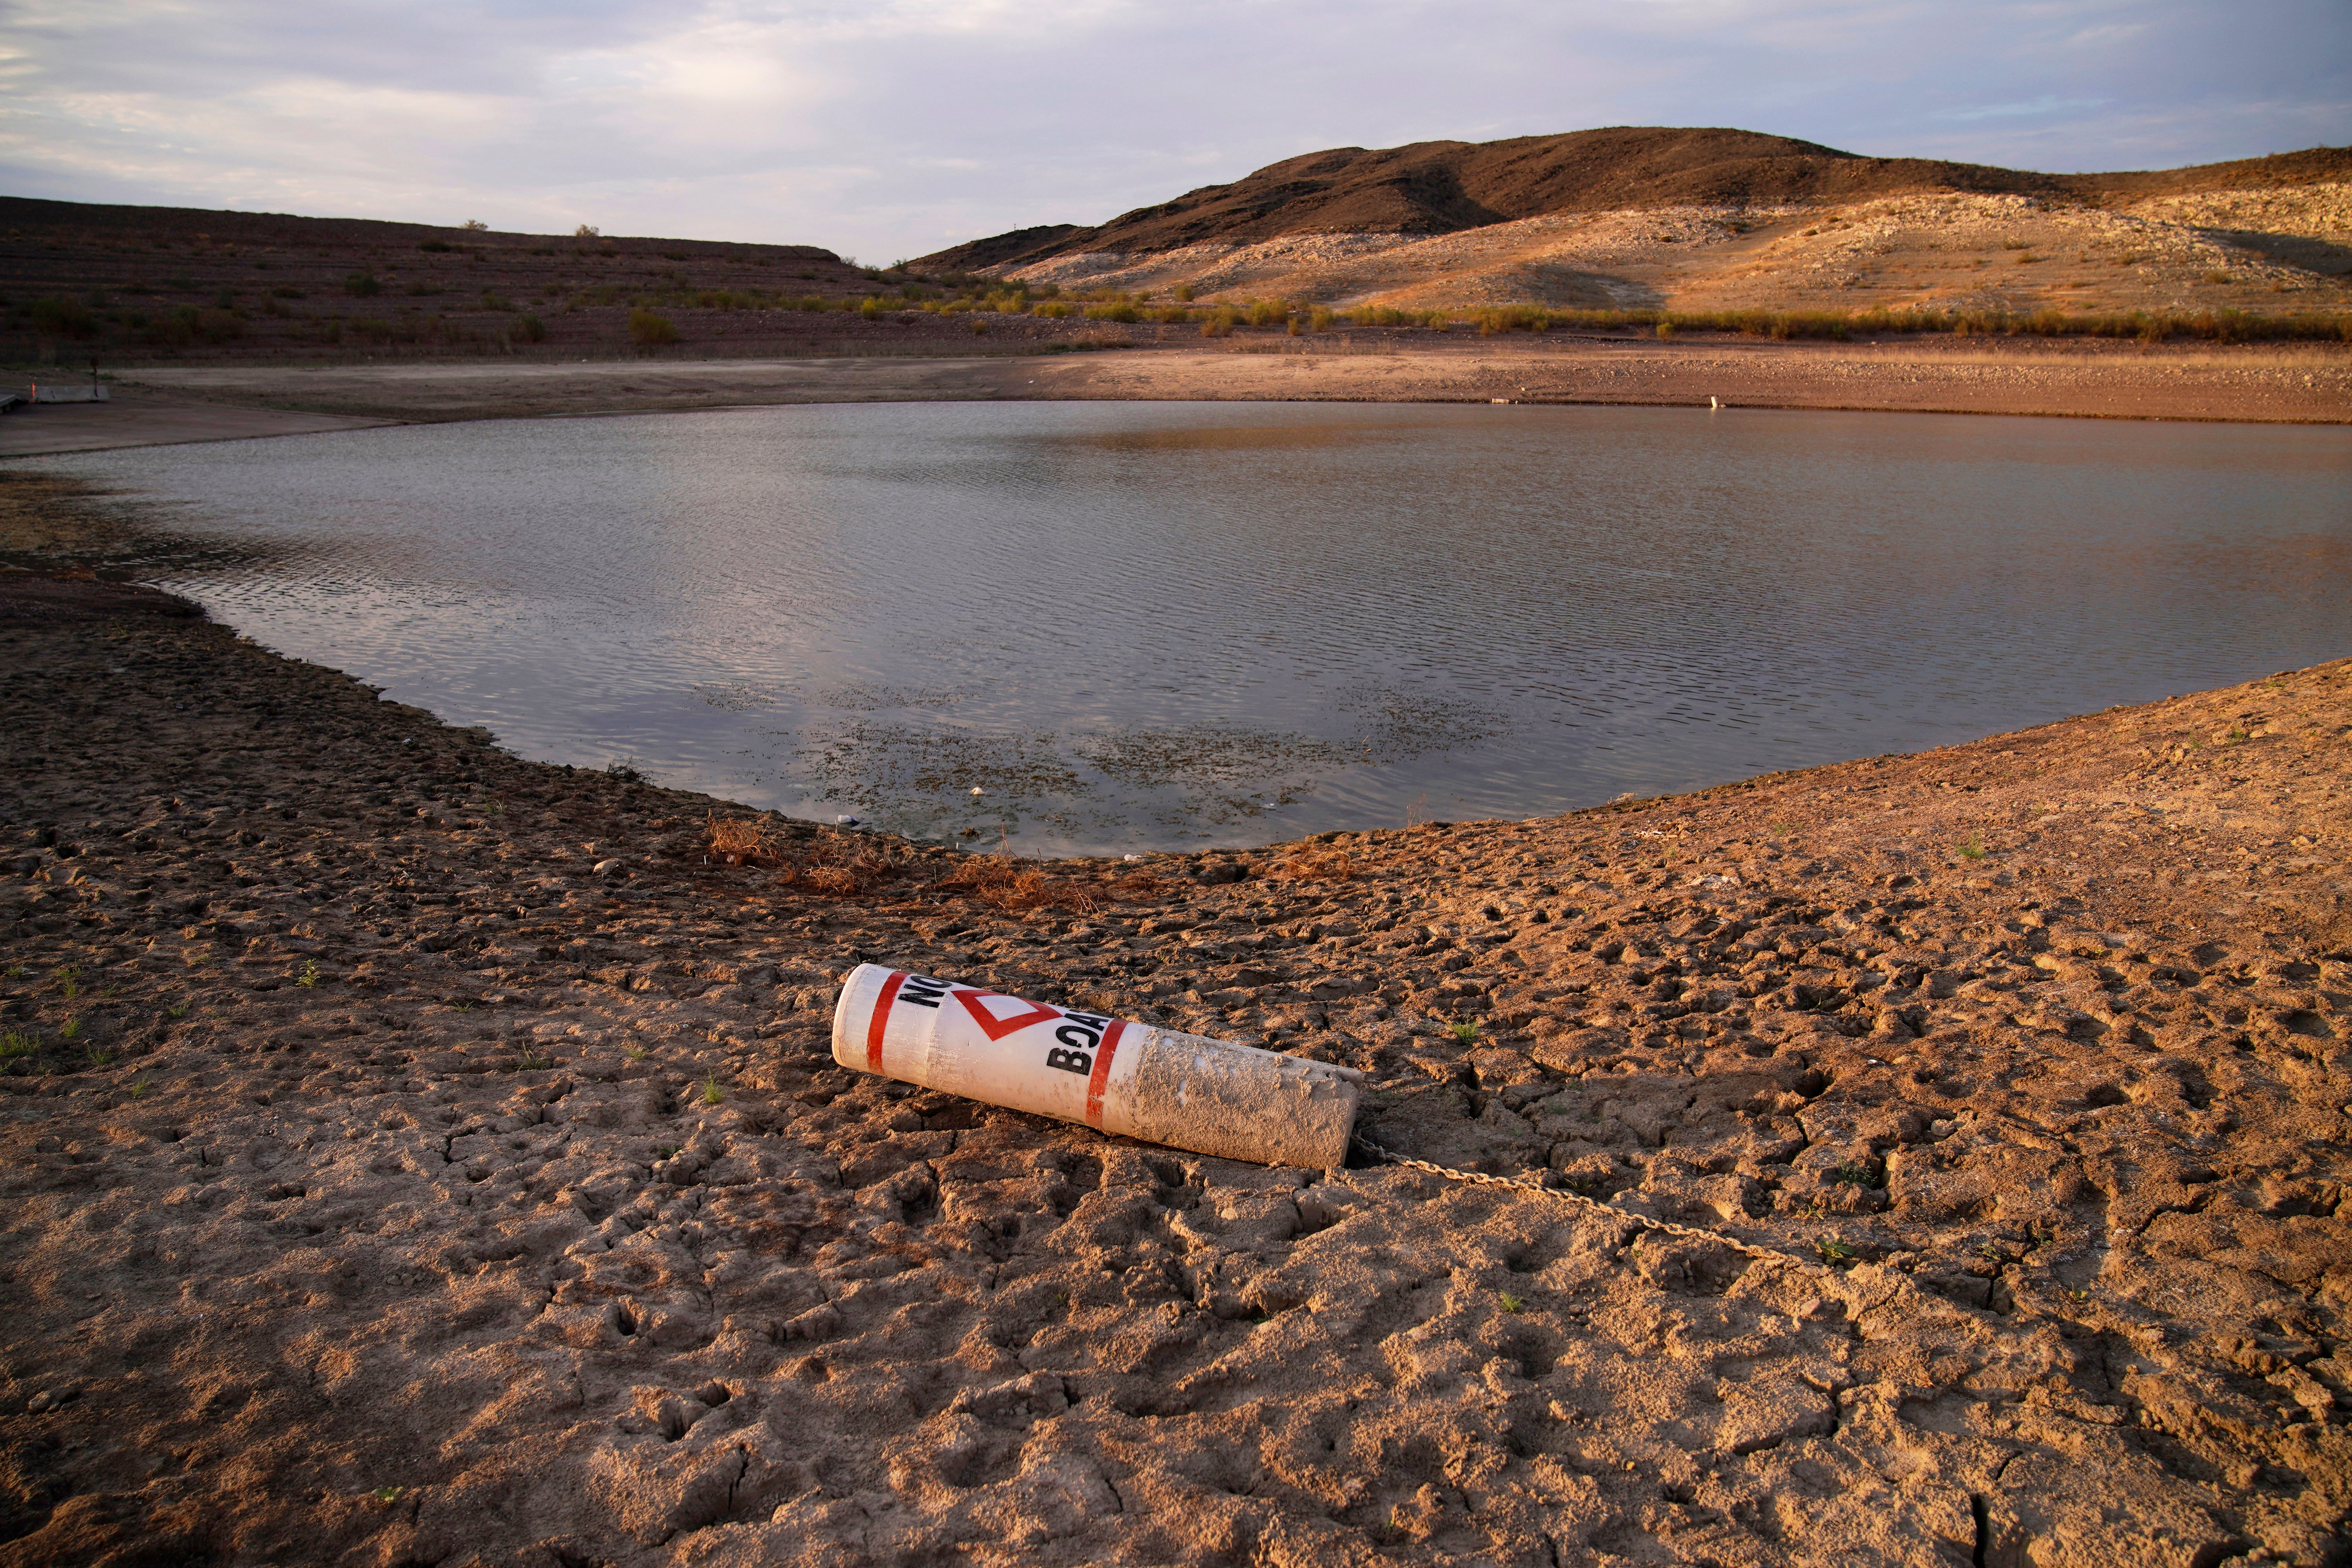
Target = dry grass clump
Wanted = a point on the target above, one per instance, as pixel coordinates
(744, 841)
(837, 865)
(1013, 887)
(841, 865)
(844, 865)
(1318, 865)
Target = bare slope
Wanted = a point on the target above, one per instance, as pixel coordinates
(82, 281)
(2270, 252)
(1440, 188)
(30, 224)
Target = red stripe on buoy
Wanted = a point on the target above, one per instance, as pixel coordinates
(881, 1020)
(1099, 1079)
(996, 1029)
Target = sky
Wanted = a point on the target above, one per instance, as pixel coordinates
(894, 129)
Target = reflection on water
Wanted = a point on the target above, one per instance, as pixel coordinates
(1117, 625)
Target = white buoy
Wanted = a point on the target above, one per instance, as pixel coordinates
(1116, 1076)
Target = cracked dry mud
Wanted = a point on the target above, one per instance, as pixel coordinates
(410, 1190)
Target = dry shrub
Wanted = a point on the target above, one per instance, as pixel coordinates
(743, 841)
(1309, 866)
(1010, 886)
(842, 866)
(840, 881)
(837, 865)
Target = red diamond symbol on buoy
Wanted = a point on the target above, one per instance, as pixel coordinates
(996, 1027)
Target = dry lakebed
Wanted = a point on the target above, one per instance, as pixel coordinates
(414, 1155)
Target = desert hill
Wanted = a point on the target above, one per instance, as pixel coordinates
(29, 220)
(1713, 220)
(84, 281)
(1638, 222)
(1441, 188)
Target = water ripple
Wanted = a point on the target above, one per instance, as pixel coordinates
(1154, 623)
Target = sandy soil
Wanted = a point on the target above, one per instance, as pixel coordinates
(413, 1154)
(141, 416)
(2303, 382)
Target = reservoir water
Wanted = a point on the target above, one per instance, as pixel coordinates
(1137, 625)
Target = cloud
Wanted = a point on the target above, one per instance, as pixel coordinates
(892, 129)
(2041, 107)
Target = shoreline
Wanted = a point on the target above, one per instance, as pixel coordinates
(445, 1157)
(2295, 384)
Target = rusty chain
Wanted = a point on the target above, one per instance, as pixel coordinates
(1686, 1232)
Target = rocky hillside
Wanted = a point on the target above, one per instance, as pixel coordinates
(1442, 187)
(1713, 221)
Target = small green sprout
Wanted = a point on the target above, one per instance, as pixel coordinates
(385, 1494)
(17, 1043)
(309, 975)
(1512, 1304)
(634, 1053)
(1853, 1175)
(711, 1093)
(16, 972)
(72, 1031)
(98, 1059)
(531, 1061)
(1973, 847)
(69, 982)
(1833, 1251)
(177, 1010)
(663, 1151)
(1465, 1032)
(139, 1088)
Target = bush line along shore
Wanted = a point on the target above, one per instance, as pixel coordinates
(53, 329)
(416, 1153)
